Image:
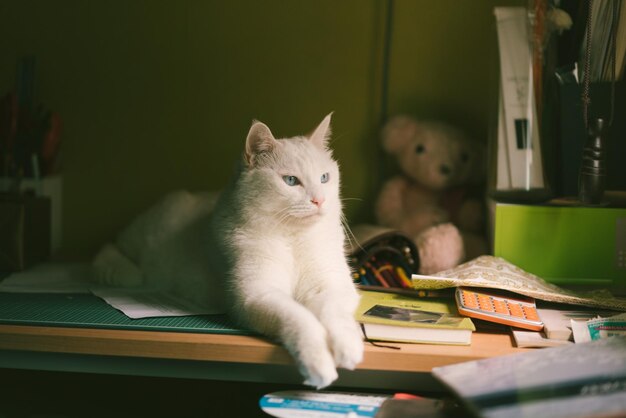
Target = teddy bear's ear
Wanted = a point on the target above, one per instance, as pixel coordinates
(397, 132)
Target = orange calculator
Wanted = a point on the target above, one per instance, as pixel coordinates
(491, 306)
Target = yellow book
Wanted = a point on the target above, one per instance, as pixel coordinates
(398, 318)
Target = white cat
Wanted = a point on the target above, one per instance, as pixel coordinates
(270, 250)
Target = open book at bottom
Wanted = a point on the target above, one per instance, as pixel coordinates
(578, 380)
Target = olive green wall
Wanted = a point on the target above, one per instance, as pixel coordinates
(158, 95)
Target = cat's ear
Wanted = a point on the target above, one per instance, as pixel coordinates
(259, 140)
(321, 135)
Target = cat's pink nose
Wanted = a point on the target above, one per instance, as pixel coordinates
(318, 201)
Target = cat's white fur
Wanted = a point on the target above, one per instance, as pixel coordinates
(271, 253)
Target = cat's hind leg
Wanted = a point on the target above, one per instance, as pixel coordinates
(115, 269)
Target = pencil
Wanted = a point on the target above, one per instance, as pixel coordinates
(378, 276)
(388, 270)
(362, 274)
(402, 275)
(385, 269)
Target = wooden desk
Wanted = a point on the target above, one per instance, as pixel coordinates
(226, 356)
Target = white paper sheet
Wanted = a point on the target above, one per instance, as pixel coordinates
(145, 303)
(527, 339)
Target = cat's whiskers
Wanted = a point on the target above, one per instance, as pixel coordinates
(303, 211)
(348, 232)
(290, 213)
(282, 216)
(346, 227)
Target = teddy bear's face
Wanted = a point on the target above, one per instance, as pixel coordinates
(439, 158)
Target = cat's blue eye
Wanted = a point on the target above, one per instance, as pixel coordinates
(291, 180)
(325, 177)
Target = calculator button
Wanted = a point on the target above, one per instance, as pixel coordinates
(500, 307)
(485, 303)
(516, 310)
(531, 313)
(468, 295)
(470, 300)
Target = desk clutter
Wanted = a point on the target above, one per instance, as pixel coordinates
(489, 290)
(426, 312)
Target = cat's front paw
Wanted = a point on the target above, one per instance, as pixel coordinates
(318, 369)
(347, 347)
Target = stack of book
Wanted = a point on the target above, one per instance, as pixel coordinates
(400, 318)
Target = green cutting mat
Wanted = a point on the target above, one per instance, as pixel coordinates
(89, 311)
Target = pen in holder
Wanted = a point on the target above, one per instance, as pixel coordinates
(592, 177)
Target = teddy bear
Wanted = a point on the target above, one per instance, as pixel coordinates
(435, 200)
